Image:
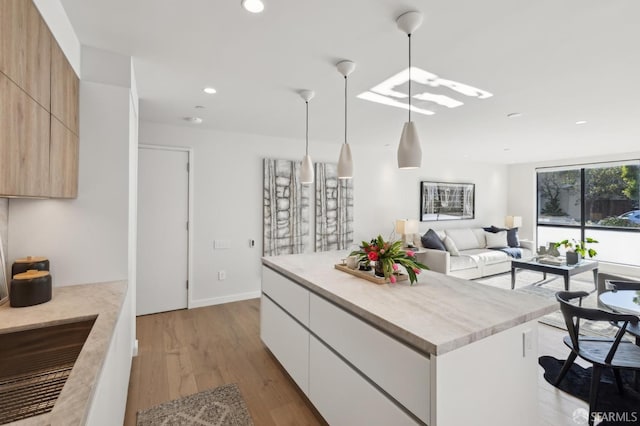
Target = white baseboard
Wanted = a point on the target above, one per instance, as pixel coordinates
(224, 299)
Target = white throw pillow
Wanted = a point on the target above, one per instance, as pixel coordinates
(496, 240)
(451, 246)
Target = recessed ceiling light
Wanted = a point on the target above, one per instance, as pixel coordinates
(581, 122)
(514, 115)
(194, 120)
(253, 6)
(199, 107)
(507, 149)
(209, 90)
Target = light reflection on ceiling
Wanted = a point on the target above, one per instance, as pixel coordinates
(388, 92)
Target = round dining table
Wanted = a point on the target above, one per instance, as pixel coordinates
(623, 301)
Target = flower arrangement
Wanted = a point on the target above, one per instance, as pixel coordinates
(388, 255)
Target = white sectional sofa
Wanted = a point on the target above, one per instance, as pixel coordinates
(470, 258)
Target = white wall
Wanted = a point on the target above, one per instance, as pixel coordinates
(228, 197)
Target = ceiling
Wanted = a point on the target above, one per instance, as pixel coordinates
(556, 62)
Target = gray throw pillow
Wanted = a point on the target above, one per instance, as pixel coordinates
(431, 240)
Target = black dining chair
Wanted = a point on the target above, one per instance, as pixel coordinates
(615, 353)
(616, 285)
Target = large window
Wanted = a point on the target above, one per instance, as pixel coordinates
(598, 201)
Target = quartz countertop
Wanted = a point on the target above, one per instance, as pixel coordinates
(70, 304)
(436, 315)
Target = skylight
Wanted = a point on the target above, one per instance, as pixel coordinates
(432, 92)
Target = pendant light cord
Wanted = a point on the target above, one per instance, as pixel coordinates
(409, 76)
(307, 134)
(345, 109)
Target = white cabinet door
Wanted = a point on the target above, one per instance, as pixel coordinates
(287, 340)
(343, 397)
(398, 369)
(291, 296)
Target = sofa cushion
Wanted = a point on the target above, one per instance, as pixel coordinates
(459, 263)
(464, 238)
(496, 240)
(431, 240)
(451, 246)
(479, 233)
(490, 257)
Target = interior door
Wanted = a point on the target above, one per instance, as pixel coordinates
(163, 238)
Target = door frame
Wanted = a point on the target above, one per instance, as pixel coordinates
(190, 193)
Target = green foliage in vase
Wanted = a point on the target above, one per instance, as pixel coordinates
(579, 246)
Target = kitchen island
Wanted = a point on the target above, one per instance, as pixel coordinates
(445, 351)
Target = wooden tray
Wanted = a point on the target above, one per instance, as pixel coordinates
(369, 275)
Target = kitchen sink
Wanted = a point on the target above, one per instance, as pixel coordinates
(34, 366)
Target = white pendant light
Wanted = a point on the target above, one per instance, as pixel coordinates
(409, 150)
(345, 162)
(306, 170)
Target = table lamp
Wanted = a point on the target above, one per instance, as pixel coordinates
(513, 222)
(406, 227)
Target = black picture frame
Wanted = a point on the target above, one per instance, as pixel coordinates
(447, 201)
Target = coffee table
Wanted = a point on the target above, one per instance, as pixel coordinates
(564, 270)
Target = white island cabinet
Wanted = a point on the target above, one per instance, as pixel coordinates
(444, 352)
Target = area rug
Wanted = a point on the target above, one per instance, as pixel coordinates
(222, 406)
(616, 409)
(531, 282)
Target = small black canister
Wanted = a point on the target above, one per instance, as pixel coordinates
(29, 263)
(30, 288)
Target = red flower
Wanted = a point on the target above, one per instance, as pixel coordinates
(395, 266)
(373, 256)
(416, 270)
(392, 279)
(410, 253)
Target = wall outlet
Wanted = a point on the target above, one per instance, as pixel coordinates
(222, 275)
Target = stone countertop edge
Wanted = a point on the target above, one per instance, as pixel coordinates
(417, 340)
(70, 304)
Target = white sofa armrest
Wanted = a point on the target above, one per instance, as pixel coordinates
(528, 244)
(436, 260)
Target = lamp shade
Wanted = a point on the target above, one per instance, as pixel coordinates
(409, 150)
(306, 171)
(411, 226)
(345, 162)
(406, 226)
(513, 222)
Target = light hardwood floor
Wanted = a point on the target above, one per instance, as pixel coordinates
(187, 351)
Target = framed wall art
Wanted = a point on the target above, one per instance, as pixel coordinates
(446, 201)
(285, 208)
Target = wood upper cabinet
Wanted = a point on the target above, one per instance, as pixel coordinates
(24, 143)
(64, 90)
(38, 153)
(25, 49)
(63, 161)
